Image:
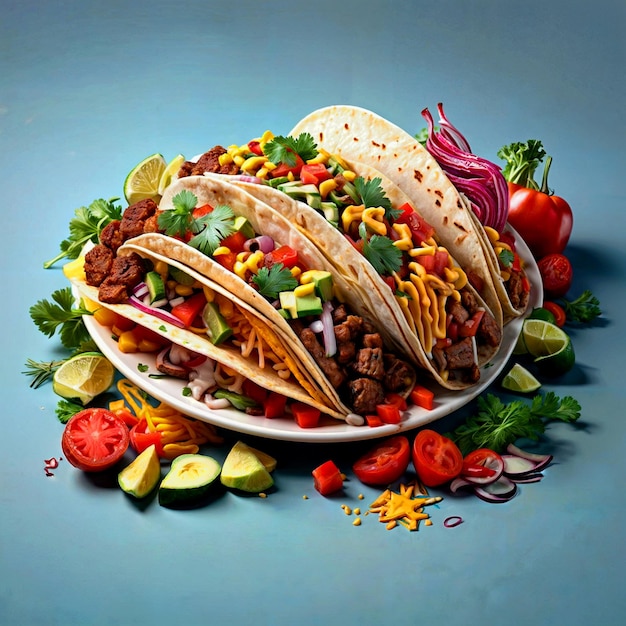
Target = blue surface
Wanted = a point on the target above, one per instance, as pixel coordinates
(88, 89)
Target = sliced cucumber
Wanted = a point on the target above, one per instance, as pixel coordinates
(156, 286)
(191, 477)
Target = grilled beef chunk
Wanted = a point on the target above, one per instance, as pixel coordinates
(112, 293)
(98, 262)
(208, 162)
(460, 355)
(517, 294)
(458, 311)
(489, 331)
(336, 375)
(111, 236)
(135, 217)
(398, 373)
(365, 394)
(126, 272)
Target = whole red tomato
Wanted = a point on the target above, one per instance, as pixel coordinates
(543, 221)
(556, 274)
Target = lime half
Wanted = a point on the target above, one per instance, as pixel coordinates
(520, 379)
(169, 172)
(83, 377)
(550, 345)
(143, 180)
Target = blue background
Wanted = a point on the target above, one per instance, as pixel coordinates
(88, 89)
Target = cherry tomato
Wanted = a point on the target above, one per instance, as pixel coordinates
(437, 459)
(385, 462)
(94, 439)
(556, 274)
(482, 463)
(560, 317)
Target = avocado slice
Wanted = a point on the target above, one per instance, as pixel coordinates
(288, 303)
(217, 327)
(323, 282)
(308, 305)
(243, 226)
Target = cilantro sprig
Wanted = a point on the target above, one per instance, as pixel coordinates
(271, 281)
(373, 195)
(497, 424)
(583, 309)
(380, 251)
(207, 230)
(86, 225)
(282, 149)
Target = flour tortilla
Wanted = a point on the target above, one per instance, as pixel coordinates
(359, 135)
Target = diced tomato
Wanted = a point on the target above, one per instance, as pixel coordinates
(441, 261)
(389, 413)
(203, 210)
(188, 310)
(255, 148)
(285, 255)
(283, 169)
(314, 173)
(305, 416)
(420, 228)
(94, 439)
(427, 261)
(470, 326)
(194, 362)
(422, 397)
(437, 459)
(516, 266)
(397, 400)
(142, 437)
(130, 419)
(234, 242)
(508, 239)
(373, 421)
(226, 260)
(477, 463)
(452, 329)
(385, 462)
(327, 478)
(390, 281)
(254, 391)
(274, 405)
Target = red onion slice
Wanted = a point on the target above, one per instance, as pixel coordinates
(330, 341)
(541, 460)
(501, 490)
(264, 243)
(160, 313)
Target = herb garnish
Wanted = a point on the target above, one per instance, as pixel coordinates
(583, 309)
(86, 225)
(373, 195)
(271, 281)
(498, 424)
(380, 251)
(208, 230)
(284, 149)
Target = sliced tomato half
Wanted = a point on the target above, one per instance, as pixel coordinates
(94, 439)
(385, 462)
(437, 459)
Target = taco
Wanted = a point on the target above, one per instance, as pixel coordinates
(360, 135)
(409, 322)
(336, 354)
(205, 321)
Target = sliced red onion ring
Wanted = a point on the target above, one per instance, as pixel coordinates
(460, 483)
(517, 466)
(495, 463)
(166, 316)
(317, 326)
(452, 521)
(264, 243)
(541, 460)
(501, 490)
(527, 478)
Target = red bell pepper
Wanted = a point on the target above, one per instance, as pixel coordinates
(543, 220)
(327, 478)
(305, 416)
(274, 404)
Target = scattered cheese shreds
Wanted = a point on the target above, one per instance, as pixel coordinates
(393, 507)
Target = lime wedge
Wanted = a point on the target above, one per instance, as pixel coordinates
(520, 379)
(143, 180)
(170, 171)
(83, 377)
(243, 470)
(141, 477)
(550, 345)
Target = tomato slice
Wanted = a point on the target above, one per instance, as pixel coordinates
(385, 462)
(481, 463)
(94, 439)
(437, 459)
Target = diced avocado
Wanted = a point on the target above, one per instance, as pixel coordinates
(156, 287)
(191, 476)
(243, 226)
(322, 280)
(218, 329)
(330, 211)
(350, 189)
(288, 303)
(180, 276)
(308, 305)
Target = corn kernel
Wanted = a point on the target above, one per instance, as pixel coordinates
(239, 160)
(225, 159)
(357, 522)
(253, 163)
(304, 290)
(183, 290)
(327, 186)
(349, 175)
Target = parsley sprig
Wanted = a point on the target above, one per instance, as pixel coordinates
(284, 149)
(583, 309)
(497, 424)
(207, 230)
(86, 225)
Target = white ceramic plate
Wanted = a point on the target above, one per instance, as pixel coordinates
(170, 390)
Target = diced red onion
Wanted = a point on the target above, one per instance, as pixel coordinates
(141, 290)
(158, 303)
(264, 243)
(162, 314)
(477, 178)
(330, 342)
(317, 326)
(246, 178)
(175, 301)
